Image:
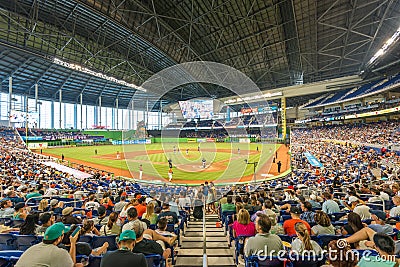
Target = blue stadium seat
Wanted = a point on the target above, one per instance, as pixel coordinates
(239, 246)
(337, 215)
(94, 261)
(316, 261)
(283, 218)
(254, 261)
(366, 252)
(8, 258)
(7, 242)
(286, 238)
(98, 241)
(85, 238)
(23, 242)
(324, 240)
(16, 223)
(155, 260)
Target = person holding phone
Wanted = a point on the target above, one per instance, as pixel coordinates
(124, 257)
(82, 248)
(47, 253)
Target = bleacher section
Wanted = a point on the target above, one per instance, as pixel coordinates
(365, 90)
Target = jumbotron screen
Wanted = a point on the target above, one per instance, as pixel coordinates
(197, 109)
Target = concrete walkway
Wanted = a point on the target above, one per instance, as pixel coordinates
(191, 251)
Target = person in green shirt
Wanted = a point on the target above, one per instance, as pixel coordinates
(385, 246)
(228, 206)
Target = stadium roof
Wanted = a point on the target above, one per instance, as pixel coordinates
(276, 43)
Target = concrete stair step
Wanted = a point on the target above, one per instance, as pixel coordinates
(212, 245)
(200, 223)
(189, 234)
(196, 252)
(198, 261)
(200, 239)
(208, 229)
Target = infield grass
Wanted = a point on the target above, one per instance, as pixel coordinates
(223, 160)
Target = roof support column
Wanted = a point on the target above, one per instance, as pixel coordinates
(36, 96)
(283, 117)
(10, 81)
(65, 116)
(99, 110)
(147, 113)
(81, 102)
(60, 108)
(75, 116)
(133, 114)
(52, 114)
(95, 115)
(161, 113)
(26, 107)
(117, 110)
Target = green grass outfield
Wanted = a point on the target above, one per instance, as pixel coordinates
(226, 164)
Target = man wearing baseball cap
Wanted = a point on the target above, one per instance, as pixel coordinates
(288, 225)
(47, 253)
(124, 257)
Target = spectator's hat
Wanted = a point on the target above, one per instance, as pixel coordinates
(261, 200)
(313, 197)
(352, 199)
(165, 205)
(67, 211)
(379, 213)
(53, 202)
(55, 231)
(127, 235)
(295, 210)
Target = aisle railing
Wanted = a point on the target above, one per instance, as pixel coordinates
(205, 260)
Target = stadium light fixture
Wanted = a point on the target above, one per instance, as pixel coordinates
(385, 46)
(96, 74)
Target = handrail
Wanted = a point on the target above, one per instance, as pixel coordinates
(205, 260)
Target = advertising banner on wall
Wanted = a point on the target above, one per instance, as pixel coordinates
(37, 145)
(131, 142)
(191, 140)
(244, 140)
(201, 140)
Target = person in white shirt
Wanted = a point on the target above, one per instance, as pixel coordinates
(92, 204)
(395, 211)
(183, 200)
(359, 208)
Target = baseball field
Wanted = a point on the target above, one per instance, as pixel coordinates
(191, 162)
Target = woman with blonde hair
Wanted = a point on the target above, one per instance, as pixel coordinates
(324, 226)
(149, 214)
(243, 225)
(303, 241)
(43, 205)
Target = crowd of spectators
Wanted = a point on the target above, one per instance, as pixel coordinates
(383, 133)
(53, 135)
(347, 199)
